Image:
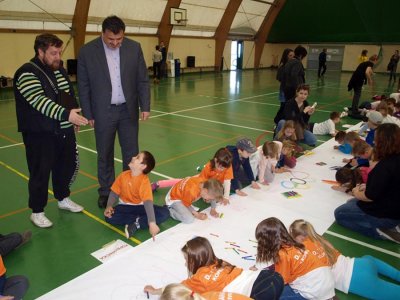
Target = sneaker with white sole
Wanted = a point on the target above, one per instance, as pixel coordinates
(389, 234)
(40, 220)
(344, 114)
(130, 229)
(70, 205)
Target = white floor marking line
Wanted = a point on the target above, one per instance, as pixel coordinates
(363, 244)
(12, 145)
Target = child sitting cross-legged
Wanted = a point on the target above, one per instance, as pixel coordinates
(132, 191)
(188, 190)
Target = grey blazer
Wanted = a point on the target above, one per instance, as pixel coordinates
(94, 84)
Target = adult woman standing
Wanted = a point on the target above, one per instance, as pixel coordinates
(286, 56)
(375, 211)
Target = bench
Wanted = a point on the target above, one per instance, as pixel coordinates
(200, 69)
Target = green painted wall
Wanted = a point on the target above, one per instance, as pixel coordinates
(343, 21)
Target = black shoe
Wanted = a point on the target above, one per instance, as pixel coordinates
(102, 201)
(130, 229)
(391, 234)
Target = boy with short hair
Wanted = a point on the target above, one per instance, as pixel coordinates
(132, 190)
(242, 172)
(326, 127)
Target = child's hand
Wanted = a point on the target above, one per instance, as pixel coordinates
(200, 216)
(346, 160)
(255, 185)
(225, 201)
(152, 290)
(214, 213)
(336, 147)
(109, 211)
(264, 183)
(153, 229)
(253, 268)
(240, 193)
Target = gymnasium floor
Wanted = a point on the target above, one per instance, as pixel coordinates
(192, 116)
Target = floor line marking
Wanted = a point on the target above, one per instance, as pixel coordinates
(12, 145)
(222, 123)
(92, 216)
(84, 211)
(363, 244)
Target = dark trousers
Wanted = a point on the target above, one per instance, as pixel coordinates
(157, 70)
(279, 115)
(322, 66)
(268, 286)
(290, 92)
(356, 99)
(9, 242)
(14, 286)
(127, 214)
(50, 153)
(116, 121)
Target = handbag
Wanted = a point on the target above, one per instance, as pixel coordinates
(64, 99)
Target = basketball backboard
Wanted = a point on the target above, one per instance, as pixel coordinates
(178, 16)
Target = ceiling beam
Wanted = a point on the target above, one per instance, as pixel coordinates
(263, 32)
(165, 28)
(79, 22)
(222, 31)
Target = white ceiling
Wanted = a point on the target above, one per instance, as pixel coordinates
(141, 16)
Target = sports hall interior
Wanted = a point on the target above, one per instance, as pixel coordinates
(229, 91)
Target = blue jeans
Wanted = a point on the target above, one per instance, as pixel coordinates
(268, 285)
(309, 137)
(290, 294)
(351, 216)
(127, 214)
(365, 280)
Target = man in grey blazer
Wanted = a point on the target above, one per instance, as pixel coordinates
(113, 84)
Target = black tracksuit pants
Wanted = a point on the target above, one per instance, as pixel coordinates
(49, 153)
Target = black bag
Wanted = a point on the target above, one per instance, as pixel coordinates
(66, 100)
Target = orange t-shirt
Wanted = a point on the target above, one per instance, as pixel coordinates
(317, 250)
(2, 267)
(208, 172)
(210, 278)
(224, 296)
(187, 190)
(294, 262)
(132, 189)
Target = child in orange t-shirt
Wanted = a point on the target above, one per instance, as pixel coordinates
(357, 275)
(305, 275)
(220, 168)
(135, 207)
(190, 189)
(207, 273)
(13, 287)
(180, 291)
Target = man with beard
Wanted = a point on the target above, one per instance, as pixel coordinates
(47, 127)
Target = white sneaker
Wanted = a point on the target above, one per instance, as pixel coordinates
(40, 220)
(70, 205)
(344, 114)
(346, 109)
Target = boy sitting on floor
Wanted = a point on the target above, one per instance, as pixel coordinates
(135, 207)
